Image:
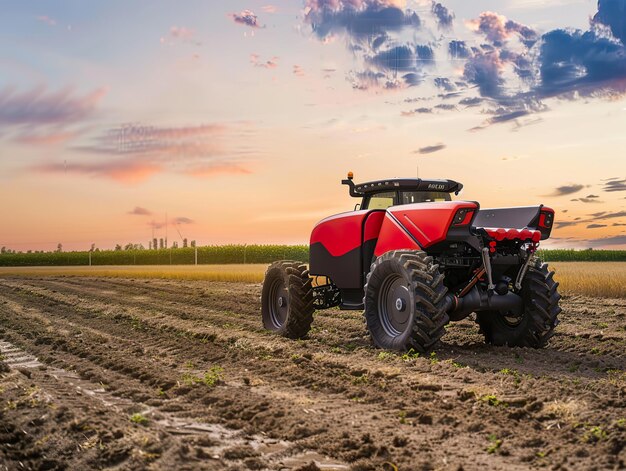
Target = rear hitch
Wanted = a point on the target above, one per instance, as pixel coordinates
(479, 300)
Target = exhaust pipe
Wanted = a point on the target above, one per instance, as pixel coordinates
(477, 300)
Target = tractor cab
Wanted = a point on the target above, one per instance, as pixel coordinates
(382, 194)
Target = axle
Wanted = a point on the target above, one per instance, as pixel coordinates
(479, 300)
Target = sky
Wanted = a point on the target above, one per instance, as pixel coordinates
(234, 121)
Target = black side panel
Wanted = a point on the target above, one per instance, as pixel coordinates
(516, 218)
(344, 270)
(368, 256)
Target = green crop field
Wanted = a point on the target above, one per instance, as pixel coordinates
(235, 254)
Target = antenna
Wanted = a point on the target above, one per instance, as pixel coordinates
(178, 230)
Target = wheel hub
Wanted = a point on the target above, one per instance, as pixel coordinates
(400, 305)
(278, 303)
(393, 300)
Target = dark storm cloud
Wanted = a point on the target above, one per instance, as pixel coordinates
(182, 220)
(561, 224)
(445, 84)
(475, 101)
(615, 185)
(444, 16)
(596, 226)
(615, 240)
(585, 62)
(139, 211)
(358, 18)
(618, 214)
(567, 189)
(445, 107)
(510, 66)
(458, 49)
(430, 149)
(612, 13)
(424, 53)
(40, 107)
(484, 70)
(400, 58)
(587, 200)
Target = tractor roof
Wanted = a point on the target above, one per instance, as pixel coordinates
(414, 184)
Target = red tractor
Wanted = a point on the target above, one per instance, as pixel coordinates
(413, 260)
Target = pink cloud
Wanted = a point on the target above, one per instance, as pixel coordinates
(38, 107)
(46, 140)
(269, 8)
(47, 20)
(217, 169)
(298, 71)
(180, 34)
(269, 64)
(139, 211)
(127, 172)
(246, 18)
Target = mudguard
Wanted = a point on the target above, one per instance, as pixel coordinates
(418, 226)
(340, 245)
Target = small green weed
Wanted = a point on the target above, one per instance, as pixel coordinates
(494, 444)
(493, 400)
(139, 419)
(214, 376)
(410, 355)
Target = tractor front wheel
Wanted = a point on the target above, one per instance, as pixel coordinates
(287, 299)
(405, 301)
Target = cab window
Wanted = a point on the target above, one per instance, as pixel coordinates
(380, 200)
(409, 197)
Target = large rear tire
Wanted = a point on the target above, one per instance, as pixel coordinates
(536, 325)
(405, 301)
(287, 299)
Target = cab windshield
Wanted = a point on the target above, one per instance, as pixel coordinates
(386, 199)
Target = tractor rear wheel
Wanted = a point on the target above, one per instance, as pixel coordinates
(539, 318)
(287, 299)
(405, 301)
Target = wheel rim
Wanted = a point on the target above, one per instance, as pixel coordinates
(394, 309)
(511, 319)
(278, 303)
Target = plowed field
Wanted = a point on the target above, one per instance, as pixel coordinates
(171, 374)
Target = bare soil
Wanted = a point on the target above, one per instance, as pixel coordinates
(165, 374)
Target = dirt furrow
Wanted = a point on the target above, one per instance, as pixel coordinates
(468, 403)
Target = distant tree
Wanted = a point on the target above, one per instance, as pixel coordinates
(193, 243)
(154, 243)
(161, 243)
(129, 246)
(60, 247)
(93, 248)
(118, 247)
(3, 250)
(166, 242)
(150, 245)
(30, 251)
(175, 245)
(185, 243)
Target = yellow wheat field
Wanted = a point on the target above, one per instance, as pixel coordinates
(251, 273)
(601, 279)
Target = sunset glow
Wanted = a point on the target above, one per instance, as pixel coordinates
(234, 122)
